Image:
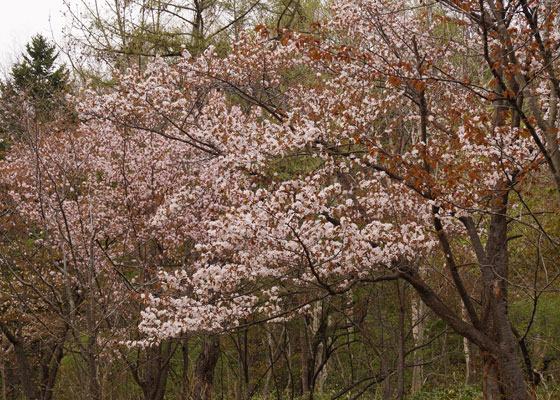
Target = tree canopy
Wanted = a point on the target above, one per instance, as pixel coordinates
(368, 195)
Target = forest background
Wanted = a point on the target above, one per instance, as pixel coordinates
(283, 199)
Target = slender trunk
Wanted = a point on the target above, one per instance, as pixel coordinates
(350, 354)
(418, 309)
(52, 372)
(91, 360)
(306, 366)
(185, 378)
(198, 28)
(319, 354)
(3, 380)
(50, 367)
(388, 392)
(92, 329)
(163, 371)
(400, 342)
(386, 370)
(290, 384)
(471, 377)
(243, 361)
(269, 343)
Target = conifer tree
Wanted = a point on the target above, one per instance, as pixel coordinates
(34, 90)
(38, 75)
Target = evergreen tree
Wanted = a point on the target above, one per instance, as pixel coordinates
(38, 74)
(34, 90)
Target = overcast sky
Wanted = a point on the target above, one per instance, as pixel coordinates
(21, 19)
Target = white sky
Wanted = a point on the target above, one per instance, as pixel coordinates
(21, 19)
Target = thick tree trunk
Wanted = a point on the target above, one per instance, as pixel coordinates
(29, 387)
(492, 333)
(26, 377)
(494, 266)
(491, 379)
(205, 365)
(506, 356)
(495, 269)
(156, 369)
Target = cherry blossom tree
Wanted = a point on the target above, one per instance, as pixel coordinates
(228, 191)
(87, 196)
(400, 149)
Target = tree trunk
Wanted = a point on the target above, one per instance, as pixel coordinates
(205, 365)
(3, 378)
(242, 345)
(290, 384)
(306, 364)
(156, 369)
(418, 330)
(51, 364)
(164, 371)
(471, 376)
(91, 351)
(400, 342)
(490, 379)
(185, 378)
(495, 274)
(494, 266)
(50, 371)
(388, 392)
(92, 372)
(29, 389)
(26, 377)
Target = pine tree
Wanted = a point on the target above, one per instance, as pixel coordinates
(33, 91)
(38, 74)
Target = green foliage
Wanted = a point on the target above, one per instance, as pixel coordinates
(544, 333)
(288, 167)
(546, 318)
(465, 392)
(297, 15)
(450, 393)
(33, 93)
(38, 74)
